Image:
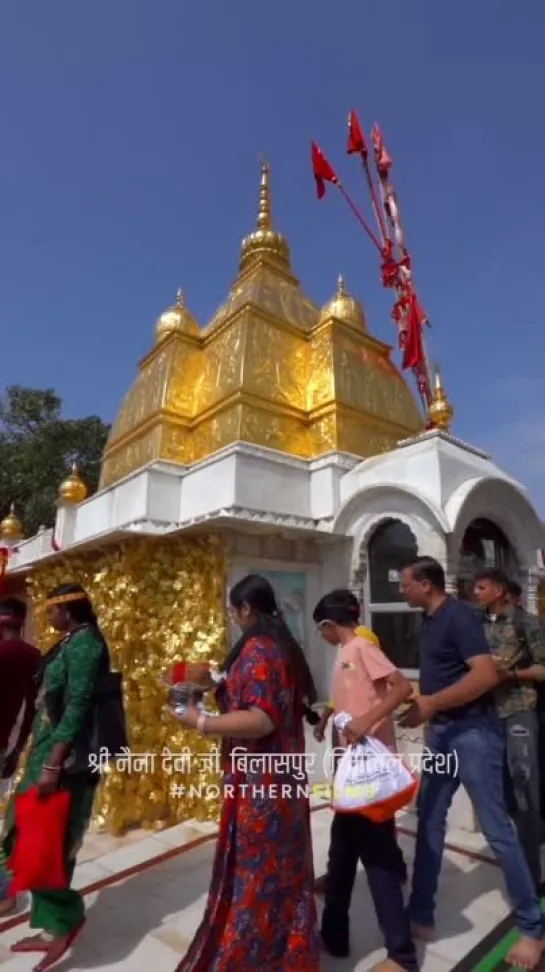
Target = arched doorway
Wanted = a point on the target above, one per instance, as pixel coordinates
(484, 545)
(390, 548)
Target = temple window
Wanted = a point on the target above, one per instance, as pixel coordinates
(392, 547)
(484, 545)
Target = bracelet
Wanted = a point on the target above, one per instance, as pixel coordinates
(200, 723)
(51, 769)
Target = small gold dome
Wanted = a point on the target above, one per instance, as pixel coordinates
(264, 240)
(344, 307)
(440, 411)
(176, 319)
(73, 490)
(11, 528)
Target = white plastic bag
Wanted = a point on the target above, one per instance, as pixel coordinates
(371, 780)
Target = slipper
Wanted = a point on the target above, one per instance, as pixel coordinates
(58, 948)
(33, 944)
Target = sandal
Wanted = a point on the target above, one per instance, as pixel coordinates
(58, 948)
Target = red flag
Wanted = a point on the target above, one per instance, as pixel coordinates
(413, 347)
(356, 138)
(384, 160)
(323, 172)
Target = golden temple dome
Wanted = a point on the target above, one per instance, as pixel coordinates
(73, 490)
(11, 528)
(344, 307)
(176, 319)
(268, 369)
(440, 411)
(264, 240)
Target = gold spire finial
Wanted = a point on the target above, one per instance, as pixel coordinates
(264, 241)
(264, 218)
(441, 411)
(344, 307)
(73, 490)
(176, 319)
(11, 528)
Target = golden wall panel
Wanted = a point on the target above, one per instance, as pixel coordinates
(157, 602)
(222, 367)
(275, 364)
(323, 434)
(361, 438)
(185, 379)
(145, 397)
(367, 382)
(321, 376)
(138, 452)
(216, 432)
(275, 431)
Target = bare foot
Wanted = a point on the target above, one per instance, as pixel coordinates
(57, 949)
(35, 943)
(7, 905)
(526, 953)
(423, 933)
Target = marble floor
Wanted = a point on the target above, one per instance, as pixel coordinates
(146, 894)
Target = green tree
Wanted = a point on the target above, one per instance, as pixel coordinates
(37, 449)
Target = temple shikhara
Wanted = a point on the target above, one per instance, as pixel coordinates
(280, 438)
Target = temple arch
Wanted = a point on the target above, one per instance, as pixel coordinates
(495, 525)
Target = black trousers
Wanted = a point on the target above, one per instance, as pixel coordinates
(355, 838)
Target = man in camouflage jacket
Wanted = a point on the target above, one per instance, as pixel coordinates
(517, 643)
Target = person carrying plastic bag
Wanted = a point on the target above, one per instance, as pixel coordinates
(370, 779)
(369, 688)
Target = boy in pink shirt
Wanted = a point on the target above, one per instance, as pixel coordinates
(366, 685)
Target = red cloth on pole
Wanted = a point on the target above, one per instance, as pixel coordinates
(41, 823)
(383, 158)
(323, 171)
(356, 138)
(413, 346)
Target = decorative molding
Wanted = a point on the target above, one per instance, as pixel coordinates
(446, 437)
(238, 513)
(339, 460)
(358, 571)
(254, 452)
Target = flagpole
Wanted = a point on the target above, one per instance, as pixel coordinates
(359, 217)
(374, 201)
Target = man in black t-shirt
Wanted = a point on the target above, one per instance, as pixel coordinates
(465, 742)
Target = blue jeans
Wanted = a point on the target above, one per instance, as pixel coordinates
(476, 749)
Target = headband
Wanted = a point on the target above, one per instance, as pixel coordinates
(66, 598)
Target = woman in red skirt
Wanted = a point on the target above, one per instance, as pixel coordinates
(261, 912)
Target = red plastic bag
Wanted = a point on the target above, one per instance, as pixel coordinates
(41, 824)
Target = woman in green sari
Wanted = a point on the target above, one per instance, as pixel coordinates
(57, 760)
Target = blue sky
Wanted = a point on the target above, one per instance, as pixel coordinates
(130, 134)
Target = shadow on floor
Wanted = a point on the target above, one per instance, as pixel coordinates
(124, 914)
